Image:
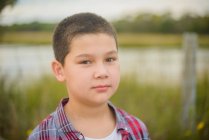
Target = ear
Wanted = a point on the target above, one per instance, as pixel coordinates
(58, 70)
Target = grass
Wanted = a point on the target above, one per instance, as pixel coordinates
(26, 38)
(124, 39)
(158, 106)
(23, 108)
(129, 39)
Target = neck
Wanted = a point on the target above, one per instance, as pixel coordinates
(75, 110)
(85, 118)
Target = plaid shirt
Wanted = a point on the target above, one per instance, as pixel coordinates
(57, 127)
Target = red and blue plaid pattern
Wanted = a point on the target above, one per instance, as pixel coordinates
(57, 127)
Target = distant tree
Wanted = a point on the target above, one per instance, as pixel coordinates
(165, 23)
(4, 3)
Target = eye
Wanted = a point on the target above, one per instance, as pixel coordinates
(111, 59)
(85, 62)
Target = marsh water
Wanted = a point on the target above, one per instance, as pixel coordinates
(147, 65)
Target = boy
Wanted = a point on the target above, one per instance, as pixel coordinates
(85, 48)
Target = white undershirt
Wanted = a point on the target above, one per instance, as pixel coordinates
(113, 136)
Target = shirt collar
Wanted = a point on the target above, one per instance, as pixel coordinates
(120, 120)
(63, 124)
(61, 121)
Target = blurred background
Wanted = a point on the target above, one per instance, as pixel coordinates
(164, 56)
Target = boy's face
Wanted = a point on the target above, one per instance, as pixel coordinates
(91, 69)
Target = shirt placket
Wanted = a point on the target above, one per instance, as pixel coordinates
(124, 134)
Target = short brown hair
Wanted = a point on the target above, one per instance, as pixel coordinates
(82, 23)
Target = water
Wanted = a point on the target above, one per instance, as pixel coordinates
(147, 65)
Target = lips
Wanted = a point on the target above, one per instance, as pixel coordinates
(101, 88)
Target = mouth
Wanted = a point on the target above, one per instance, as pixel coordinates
(101, 88)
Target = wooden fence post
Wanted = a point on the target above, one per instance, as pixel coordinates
(190, 45)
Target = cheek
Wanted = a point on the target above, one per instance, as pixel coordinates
(116, 75)
(77, 81)
(78, 76)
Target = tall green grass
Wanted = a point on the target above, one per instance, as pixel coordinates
(158, 106)
(22, 108)
(202, 107)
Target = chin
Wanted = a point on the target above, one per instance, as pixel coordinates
(101, 101)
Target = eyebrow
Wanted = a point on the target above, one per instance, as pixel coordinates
(112, 52)
(89, 55)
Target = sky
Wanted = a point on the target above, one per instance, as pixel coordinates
(25, 11)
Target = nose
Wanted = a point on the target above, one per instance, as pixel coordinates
(101, 71)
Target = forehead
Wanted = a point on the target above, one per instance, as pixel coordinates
(89, 43)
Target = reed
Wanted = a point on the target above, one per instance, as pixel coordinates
(22, 108)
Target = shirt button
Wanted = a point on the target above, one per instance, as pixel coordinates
(80, 137)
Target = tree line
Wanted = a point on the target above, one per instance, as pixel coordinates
(151, 23)
(33, 26)
(141, 23)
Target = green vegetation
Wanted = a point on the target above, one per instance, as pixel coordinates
(22, 108)
(130, 39)
(26, 37)
(4, 3)
(202, 107)
(33, 27)
(151, 23)
(156, 40)
(140, 30)
(124, 39)
(136, 23)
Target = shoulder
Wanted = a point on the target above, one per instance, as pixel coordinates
(135, 125)
(46, 128)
